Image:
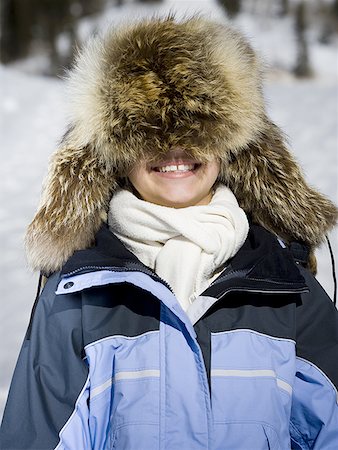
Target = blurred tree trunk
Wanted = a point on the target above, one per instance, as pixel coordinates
(329, 19)
(90, 6)
(231, 7)
(284, 8)
(149, 1)
(16, 33)
(47, 25)
(302, 68)
(335, 15)
(335, 8)
(52, 19)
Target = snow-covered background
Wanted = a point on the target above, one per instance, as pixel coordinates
(32, 115)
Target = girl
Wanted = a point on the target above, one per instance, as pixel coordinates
(177, 235)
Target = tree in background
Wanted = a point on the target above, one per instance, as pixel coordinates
(51, 19)
(284, 8)
(302, 68)
(45, 26)
(150, 1)
(335, 16)
(39, 24)
(328, 14)
(56, 19)
(335, 8)
(231, 7)
(16, 31)
(89, 7)
(51, 27)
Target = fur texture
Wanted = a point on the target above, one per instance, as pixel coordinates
(141, 89)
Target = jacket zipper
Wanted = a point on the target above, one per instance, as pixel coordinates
(145, 270)
(262, 291)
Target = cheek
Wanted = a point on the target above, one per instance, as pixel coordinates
(139, 178)
(213, 171)
(133, 176)
(136, 175)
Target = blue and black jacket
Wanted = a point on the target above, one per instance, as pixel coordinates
(111, 361)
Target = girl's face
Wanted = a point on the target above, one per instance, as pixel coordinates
(176, 181)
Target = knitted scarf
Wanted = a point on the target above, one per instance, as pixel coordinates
(187, 247)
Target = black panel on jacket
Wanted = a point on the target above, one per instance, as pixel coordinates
(317, 329)
(49, 375)
(270, 314)
(204, 341)
(121, 309)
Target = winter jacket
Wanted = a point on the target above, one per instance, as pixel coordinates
(111, 361)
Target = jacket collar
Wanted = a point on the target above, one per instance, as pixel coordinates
(261, 263)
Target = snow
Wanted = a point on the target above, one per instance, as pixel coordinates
(32, 113)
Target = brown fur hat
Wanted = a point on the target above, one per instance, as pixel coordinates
(146, 87)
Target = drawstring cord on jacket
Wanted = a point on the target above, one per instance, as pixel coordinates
(300, 253)
(39, 287)
(333, 271)
(38, 291)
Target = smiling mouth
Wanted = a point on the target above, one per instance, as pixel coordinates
(177, 167)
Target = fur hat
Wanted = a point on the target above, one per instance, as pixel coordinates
(146, 87)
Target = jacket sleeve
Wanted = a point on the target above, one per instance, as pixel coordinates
(314, 414)
(47, 402)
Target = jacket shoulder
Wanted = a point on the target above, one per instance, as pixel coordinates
(47, 303)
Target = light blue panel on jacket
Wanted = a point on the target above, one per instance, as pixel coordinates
(76, 433)
(245, 436)
(185, 406)
(243, 363)
(124, 394)
(315, 407)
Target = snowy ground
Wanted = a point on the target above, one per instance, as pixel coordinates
(32, 120)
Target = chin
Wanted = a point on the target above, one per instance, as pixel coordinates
(180, 202)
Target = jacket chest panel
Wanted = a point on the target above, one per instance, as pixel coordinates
(251, 383)
(125, 391)
(185, 399)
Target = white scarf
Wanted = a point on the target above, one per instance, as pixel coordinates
(187, 247)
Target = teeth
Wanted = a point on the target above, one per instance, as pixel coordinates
(178, 168)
